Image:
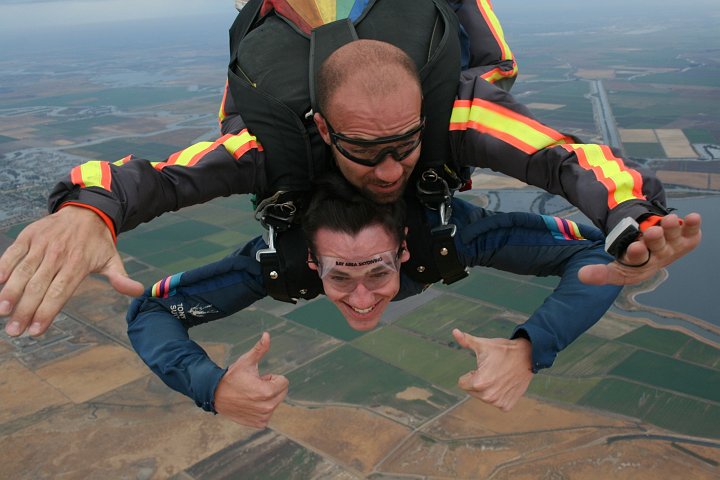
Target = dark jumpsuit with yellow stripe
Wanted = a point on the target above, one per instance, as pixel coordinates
(488, 129)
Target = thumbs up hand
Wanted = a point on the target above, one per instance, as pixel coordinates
(246, 397)
(504, 369)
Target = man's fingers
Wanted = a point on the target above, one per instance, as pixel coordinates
(22, 272)
(10, 258)
(255, 354)
(119, 279)
(26, 289)
(466, 381)
(461, 338)
(37, 317)
(594, 274)
(125, 285)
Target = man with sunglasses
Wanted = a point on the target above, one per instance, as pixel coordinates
(48, 260)
(357, 248)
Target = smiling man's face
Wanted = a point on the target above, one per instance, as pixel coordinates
(360, 273)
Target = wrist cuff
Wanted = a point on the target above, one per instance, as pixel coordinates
(650, 222)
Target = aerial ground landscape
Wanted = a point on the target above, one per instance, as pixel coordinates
(637, 397)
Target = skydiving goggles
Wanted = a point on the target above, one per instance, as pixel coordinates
(345, 275)
(371, 152)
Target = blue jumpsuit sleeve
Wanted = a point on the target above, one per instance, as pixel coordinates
(540, 245)
(158, 321)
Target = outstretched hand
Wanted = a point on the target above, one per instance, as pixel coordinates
(246, 397)
(504, 369)
(40, 271)
(659, 245)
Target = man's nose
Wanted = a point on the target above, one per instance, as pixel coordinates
(388, 170)
(361, 297)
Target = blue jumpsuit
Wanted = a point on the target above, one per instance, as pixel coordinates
(522, 243)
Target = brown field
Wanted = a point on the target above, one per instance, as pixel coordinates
(540, 440)
(477, 419)
(592, 74)
(638, 135)
(675, 143)
(81, 405)
(544, 106)
(93, 372)
(710, 181)
(353, 436)
(636, 460)
(22, 392)
(142, 430)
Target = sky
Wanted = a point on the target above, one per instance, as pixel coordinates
(78, 12)
(26, 16)
(42, 14)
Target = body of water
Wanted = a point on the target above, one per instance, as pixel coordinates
(691, 287)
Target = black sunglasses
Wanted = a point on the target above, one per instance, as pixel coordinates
(371, 152)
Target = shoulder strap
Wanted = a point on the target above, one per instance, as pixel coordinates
(323, 41)
(245, 19)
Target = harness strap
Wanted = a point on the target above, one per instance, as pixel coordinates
(445, 254)
(433, 192)
(324, 40)
(285, 272)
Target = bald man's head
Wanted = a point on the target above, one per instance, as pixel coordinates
(371, 68)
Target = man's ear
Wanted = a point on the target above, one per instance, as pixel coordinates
(405, 255)
(310, 263)
(322, 127)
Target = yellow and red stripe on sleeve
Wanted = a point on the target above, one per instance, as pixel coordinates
(236, 145)
(522, 132)
(498, 74)
(222, 115)
(492, 21)
(621, 182)
(92, 174)
(123, 161)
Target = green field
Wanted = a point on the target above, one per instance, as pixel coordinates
(589, 356)
(576, 110)
(655, 406)
(702, 135)
(667, 342)
(698, 352)
(502, 289)
(670, 374)
(323, 316)
(146, 244)
(644, 150)
(241, 327)
(290, 344)
(348, 375)
(568, 390)
(440, 315)
(434, 361)
(706, 76)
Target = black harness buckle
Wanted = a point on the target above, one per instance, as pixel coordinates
(434, 193)
(276, 217)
